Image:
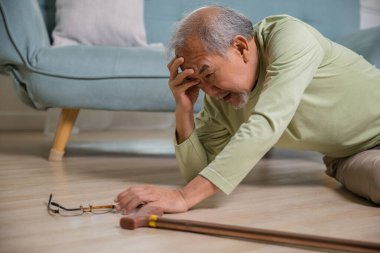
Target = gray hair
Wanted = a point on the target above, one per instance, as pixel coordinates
(216, 32)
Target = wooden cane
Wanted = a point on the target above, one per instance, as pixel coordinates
(262, 235)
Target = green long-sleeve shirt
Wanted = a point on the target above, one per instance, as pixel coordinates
(311, 94)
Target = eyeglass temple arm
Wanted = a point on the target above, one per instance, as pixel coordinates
(80, 208)
(58, 205)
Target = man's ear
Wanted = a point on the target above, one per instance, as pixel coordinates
(241, 45)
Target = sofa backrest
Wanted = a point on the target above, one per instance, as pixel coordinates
(334, 18)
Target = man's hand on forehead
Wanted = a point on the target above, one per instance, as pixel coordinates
(182, 67)
(184, 88)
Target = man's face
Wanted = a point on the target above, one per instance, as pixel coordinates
(228, 78)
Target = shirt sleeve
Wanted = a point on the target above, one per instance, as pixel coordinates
(205, 142)
(293, 55)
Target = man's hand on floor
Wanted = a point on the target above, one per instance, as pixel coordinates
(171, 201)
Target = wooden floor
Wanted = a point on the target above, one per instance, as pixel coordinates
(287, 192)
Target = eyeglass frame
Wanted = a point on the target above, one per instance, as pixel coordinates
(89, 209)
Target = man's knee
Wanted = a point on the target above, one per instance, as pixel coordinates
(374, 188)
(361, 174)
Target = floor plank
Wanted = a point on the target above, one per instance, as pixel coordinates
(288, 192)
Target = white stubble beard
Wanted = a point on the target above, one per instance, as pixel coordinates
(243, 100)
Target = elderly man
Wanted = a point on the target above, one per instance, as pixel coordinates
(278, 83)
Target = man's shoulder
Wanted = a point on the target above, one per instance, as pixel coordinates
(275, 19)
(284, 32)
(276, 23)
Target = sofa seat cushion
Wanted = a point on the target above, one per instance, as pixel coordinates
(95, 62)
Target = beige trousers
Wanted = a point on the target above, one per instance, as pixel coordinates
(359, 173)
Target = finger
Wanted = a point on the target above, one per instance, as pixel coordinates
(173, 69)
(128, 192)
(121, 195)
(123, 203)
(171, 62)
(175, 62)
(132, 193)
(185, 86)
(137, 200)
(135, 203)
(181, 78)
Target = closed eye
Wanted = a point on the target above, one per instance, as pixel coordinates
(209, 75)
(189, 79)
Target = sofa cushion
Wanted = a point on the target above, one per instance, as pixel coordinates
(366, 43)
(99, 22)
(95, 62)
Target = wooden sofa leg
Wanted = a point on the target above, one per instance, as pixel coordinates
(62, 134)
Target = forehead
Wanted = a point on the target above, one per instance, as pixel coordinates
(200, 61)
(199, 64)
(196, 55)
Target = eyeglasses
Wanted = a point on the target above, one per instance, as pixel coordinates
(56, 208)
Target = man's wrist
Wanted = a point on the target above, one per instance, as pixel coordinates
(197, 190)
(184, 125)
(184, 110)
(181, 192)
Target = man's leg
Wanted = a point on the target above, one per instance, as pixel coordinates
(359, 173)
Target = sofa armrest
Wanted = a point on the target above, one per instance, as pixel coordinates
(22, 31)
(366, 43)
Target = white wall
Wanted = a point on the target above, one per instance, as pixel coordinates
(16, 116)
(370, 13)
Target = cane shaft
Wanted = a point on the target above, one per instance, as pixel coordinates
(265, 235)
